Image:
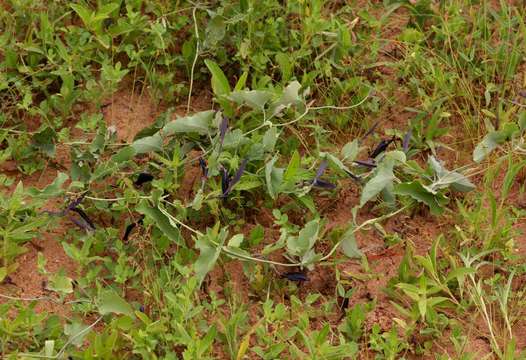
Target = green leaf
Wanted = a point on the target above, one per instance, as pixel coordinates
(109, 302)
(388, 195)
(486, 146)
(83, 12)
(52, 190)
(220, 84)
(285, 66)
(270, 138)
(383, 176)
(160, 220)
(25, 232)
(215, 30)
(427, 263)
(492, 140)
(349, 246)
(105, 10)
(76, 332)
(256, 99)
(273, 177)
(125, 154)
(417, 191)
(336, 162)
(305, 240)
(308, 202)
(257, 234)
(522, 120)
(234, 139)
(459, 273)
(236, 240)
(93, 20)
(247, 184)
(411, 290)
(237, 251)
(422, 307)
(448, 178)
(208, 251)
(60, 283)
(435, 300)
(289, 97)
(3, 273)
(199, 123)
(395, 156)
(241, 82)
(350, 150)
(49, 348)
(148, 144)
(292, 168)
(45, 141)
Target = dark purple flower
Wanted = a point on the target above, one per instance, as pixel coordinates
(365, 163)
(84, 223)
(225, 180)
(143, 178)
(295, 276)
(223, 127)
(85, 217)
(77, 202)
(371, 130)
(71, 206)
(8, 280)
(130, 227)
(128, 231)
(321, 169)
(231, 182)
(344, 304)
(381, 147)
(322, 183)
(356, 178)
(204, 167)
(407, 139)
(81, 223)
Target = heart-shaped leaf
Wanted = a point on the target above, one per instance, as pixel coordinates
(305, 240)
(109, 302)
(220, 84)
(148, 144)
(199, 123)
(349, 246)
(52, 190)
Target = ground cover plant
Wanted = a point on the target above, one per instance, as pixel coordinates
(262, 179)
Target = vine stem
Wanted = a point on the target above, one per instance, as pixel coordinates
(194, 62)
(363, 225)
(173, 220)
(327, 256)
(308, 108)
